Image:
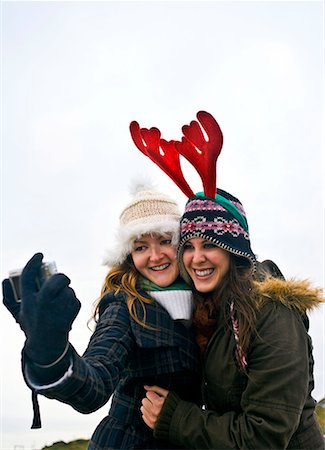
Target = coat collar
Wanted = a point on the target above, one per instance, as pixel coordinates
(299, 295)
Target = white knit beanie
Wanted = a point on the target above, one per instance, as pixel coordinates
(148, 212)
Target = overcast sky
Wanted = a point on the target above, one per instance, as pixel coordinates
(75, 74)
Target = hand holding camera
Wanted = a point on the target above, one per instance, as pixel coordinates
(11, 287)
(45, 313)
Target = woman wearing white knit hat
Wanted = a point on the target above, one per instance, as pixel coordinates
(142, 334)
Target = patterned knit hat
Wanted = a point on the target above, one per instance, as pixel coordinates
(221, 221)
(148, 212)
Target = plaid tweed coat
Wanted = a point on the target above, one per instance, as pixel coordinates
(121, 357)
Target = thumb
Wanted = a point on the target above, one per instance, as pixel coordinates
(9, 299)
(158, 390)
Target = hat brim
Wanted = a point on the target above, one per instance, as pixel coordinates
(126, 236)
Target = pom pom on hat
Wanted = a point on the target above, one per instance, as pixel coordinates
(149, 212)
(140, 184)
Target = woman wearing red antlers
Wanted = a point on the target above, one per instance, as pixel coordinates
(142, 336)
(257, 362)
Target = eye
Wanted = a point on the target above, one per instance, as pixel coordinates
(188, 246)
(165, 242)
(209, 245)
(139, 248)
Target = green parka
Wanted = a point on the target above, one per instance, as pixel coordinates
(271, 406)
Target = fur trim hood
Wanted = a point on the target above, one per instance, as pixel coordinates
(126, 235)
(298, 295)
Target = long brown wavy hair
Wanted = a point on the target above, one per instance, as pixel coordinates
(125, 278)
(237, 286)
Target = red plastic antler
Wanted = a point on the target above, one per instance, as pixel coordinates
(161, 152)
(200, 153)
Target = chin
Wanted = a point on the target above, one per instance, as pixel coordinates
(202, 289)
(205, 287)
(162, 284)
(164, 281)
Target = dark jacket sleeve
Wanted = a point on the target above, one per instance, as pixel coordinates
(90, 380)
(271, 403)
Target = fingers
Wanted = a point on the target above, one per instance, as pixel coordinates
(56, 293)
(9, 299)
(147, 418)
(148, 422)
(150, 412)
(54, 285)
(152, 404)
(30, 273)
(73, 305)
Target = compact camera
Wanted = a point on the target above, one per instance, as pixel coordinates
(46, 271)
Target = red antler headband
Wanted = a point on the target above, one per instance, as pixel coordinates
(201, 153)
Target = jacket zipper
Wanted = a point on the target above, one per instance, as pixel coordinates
(204, 384)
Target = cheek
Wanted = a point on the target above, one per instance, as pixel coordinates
(186, 260)
(172, 254)
(137, 261)
(226, 264)
(174, 263)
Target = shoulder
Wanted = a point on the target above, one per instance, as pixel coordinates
(150, 312)
(119, 300)
(110, 300)
(294, 295)
(283, 305)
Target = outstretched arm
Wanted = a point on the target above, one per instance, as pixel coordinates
(51, 366)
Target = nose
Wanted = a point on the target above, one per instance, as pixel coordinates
(198, 256)
(155, 253)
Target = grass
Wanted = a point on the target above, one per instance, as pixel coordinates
(320, 412)
(79, 444)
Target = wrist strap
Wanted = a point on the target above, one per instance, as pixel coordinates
(47, 366)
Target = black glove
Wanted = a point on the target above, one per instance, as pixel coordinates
(9, 301)
(46, 316)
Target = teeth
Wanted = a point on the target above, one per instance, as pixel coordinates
(162, 267)
(203, 273)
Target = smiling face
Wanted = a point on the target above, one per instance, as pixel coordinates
(155, 258)
(205, 263)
